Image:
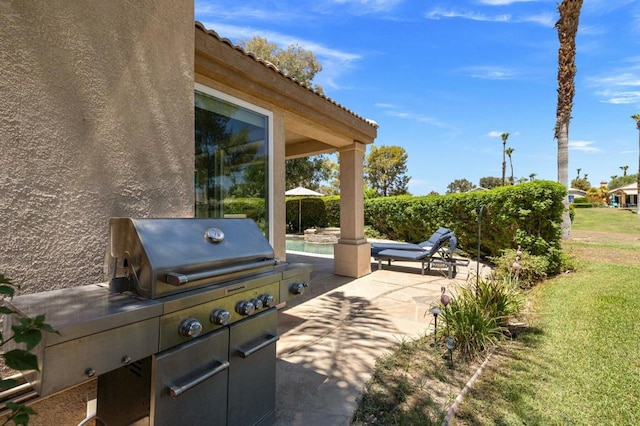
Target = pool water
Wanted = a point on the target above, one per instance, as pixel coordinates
(298, 244)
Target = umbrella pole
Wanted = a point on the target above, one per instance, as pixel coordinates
(300, 216)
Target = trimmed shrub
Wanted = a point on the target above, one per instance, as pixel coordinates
(581, 200)
(532, 268)
(527, 214)
(313, 213)
(332, 209)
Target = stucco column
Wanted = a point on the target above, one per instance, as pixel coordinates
(352, 253)
(279, 207)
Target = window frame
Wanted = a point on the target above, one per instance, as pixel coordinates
(199, 87)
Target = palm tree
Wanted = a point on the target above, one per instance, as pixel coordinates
(532, 176)
(509, 151)
(624, 170)
(567, 27)
(636, 117)
(579, 170)
(504, 137)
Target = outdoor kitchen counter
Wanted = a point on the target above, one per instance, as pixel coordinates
(80, 311)
(97, 332)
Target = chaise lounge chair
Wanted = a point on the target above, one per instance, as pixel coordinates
(437, 237)
(434, 250)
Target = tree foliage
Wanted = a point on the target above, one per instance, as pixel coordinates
(490, 182)
(459, 185)
(618, 181)
(294, 61)
(385, 169)
(581, 183)
(309, 172)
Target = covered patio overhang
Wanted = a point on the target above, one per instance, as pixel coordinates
(305, 123)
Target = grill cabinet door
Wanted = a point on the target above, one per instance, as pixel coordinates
(252, 374)
(197, 374)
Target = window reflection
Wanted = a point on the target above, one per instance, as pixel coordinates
(231, 158)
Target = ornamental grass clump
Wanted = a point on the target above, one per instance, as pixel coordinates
(478, 315)
(500, 298)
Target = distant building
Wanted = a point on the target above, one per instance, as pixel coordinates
(575, 192)
(624, 196)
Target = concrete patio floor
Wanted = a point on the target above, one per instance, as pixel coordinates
(331, 336)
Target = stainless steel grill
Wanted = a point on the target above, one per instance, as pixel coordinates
(184, 330)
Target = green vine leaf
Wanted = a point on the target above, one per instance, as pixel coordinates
(6, 311)
(7, 290)
(31, 337)
(21, 360)
(8, 384)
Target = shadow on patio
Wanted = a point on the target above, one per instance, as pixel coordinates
(332, 335)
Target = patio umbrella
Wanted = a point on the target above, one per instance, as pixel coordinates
(301, 191)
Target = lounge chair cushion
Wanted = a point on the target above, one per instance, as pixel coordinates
(434, 240)
(411, 255)
(378, 247)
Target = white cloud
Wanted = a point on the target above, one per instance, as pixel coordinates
(544, 19)
(621, 86)
(247, 13)
(498, 133)
(420, 118)
(584, 146)
(369, 6)
(474, 16)
(503, 2)
(490, 72)
(395, 111)
(384, 105)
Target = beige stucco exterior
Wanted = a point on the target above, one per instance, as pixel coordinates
(97, 120)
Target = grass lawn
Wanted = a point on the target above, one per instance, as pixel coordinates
(579, 360)
(576, 362)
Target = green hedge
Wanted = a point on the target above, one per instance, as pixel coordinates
(313, 213)
(528, 215)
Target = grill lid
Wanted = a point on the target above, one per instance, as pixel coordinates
(159, 257)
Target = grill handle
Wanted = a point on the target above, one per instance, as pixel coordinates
(177, 390)
(177, 279)
(270, 338)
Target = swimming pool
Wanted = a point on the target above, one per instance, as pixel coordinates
(298, 244)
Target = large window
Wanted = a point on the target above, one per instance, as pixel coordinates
(232, 161)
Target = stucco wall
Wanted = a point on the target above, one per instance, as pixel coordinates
(96, 121)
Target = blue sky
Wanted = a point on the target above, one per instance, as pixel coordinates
(443, 79)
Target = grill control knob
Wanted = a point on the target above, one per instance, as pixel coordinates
(257, 303)
(298, 288)
(190, 328)
(220, 317)
(268, 301)
(245, 308)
